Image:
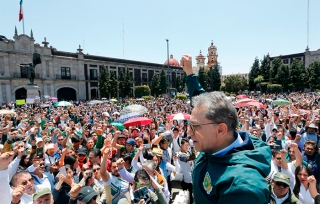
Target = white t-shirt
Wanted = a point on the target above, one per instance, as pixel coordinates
(305, 196)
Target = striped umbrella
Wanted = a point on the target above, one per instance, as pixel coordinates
(125, 117)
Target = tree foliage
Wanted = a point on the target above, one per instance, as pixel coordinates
(235, 83)
(313, 72)
(276, 63)
(142, 91)
(283, 77)
(155, 85)
(274, 88)
(114, 85)
(296, 79)
(127, 91)
(254, 73)
(182, 82)
(121, 80)
(104, 82)
(216, 77)
(163, 82)
(265, 68)
(203, 79)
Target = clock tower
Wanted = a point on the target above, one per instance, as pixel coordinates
(212, 56)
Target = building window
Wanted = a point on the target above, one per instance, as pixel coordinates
(65, 73)
(285, 61)
(24, 72)
(93, 65)
(93, 74)
(144, 77)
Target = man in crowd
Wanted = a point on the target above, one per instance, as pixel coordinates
(212, 128)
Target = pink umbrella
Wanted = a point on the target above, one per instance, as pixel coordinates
(179, 116)
(257, 104)
(52, 98)
(137, 121)
(242, 96)
(244, 102)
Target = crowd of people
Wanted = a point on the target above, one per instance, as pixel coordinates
(220, 153)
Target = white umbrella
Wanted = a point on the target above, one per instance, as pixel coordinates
(5, 111)
(93, 102)
(63, 103)
(134, 109)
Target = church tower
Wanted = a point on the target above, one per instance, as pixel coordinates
(212, 56)
(200, 60)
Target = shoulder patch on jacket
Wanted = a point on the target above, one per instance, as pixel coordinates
(207, 183)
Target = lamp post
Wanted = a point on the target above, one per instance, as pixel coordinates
(169, 94)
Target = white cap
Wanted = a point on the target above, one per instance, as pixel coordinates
(38, 139)
(49, 146)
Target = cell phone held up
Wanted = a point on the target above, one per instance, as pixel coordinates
(140, 193)
(39, 152)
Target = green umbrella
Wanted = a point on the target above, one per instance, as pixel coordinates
(281, 102)
(119, 126)
(62, 103)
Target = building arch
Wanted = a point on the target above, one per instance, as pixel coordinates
(20, 93)
(66, 94)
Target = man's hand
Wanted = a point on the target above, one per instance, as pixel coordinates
(312, 180)
(20, 151)
(75, 190)
(107, 152)
(283, 152)
(120, 163)
(186, 63)
(61, 178)
(17, 193)
(294, 146)
(5, 160)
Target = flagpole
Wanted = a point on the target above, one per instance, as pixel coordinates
(23, 24)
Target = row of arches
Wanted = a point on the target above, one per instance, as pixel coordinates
(65, 94)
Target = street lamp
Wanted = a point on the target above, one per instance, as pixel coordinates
(169, 94)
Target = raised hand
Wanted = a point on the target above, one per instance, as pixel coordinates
(75, 190)
(5, 160)
(17, 193)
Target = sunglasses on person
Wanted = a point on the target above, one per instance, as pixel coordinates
(95, 170)
(193, 126)
(278, 158)
(26, 181)
(284, 185)
(143, 185)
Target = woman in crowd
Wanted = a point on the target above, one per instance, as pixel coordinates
(302, 186)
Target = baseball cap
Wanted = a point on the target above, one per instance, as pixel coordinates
(38, 139)
(86, 194)
(157, 151)
(82, 150)
(121, 136)
(41, 192)
(281, 177)
(131, 141)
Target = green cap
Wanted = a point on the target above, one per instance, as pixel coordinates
(281, 177)
(41, 192)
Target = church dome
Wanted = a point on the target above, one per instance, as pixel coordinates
(172, 62)
(212, 47)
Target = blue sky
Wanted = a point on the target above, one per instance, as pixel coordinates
(241, 30)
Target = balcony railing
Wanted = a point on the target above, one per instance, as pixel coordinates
(25, 76)
(71, 77)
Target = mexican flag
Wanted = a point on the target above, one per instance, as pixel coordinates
(20, 12)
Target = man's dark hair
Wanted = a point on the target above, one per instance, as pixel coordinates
(141, 174)
(184, 141)
(15, 177)
(175, 129)
(127, 157)
(96, 152)
(75, 139)
(275, 152)
(293, 133)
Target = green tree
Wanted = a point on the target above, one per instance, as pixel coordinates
(265, 68)
(235, 83)
(182, 82)
(295, 72)
(103, 82)
(127, 91)
(155, 85)
(163, 82)
(142, 91)
(114, 85)
(216, 79)
(254, 73)
(258, 81)
(283, 77)
(276, 63)
(313, 72)
(121, 81)
(203, 79)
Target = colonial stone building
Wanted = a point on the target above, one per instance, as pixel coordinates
(65, 75)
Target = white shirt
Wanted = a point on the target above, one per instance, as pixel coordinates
(280, 200)
(186, 167)
(176, 144)
(44, 182)
(305, 196)
(236, 143)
